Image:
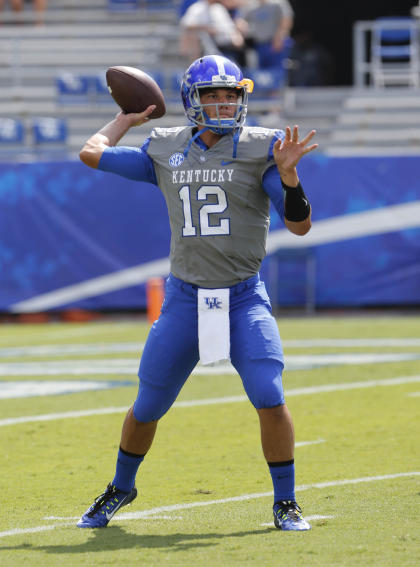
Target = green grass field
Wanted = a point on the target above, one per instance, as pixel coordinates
(352, 384)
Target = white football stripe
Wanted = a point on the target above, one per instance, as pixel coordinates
(60, 350)
(154, 511)
(345, 227)
(129, 366)
(243, 497)
(211, 401)
(220, 65)
(100, 348)
(30, 388)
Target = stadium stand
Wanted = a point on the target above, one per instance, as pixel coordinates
(58, 71)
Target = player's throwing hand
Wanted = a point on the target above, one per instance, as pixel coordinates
(137, 118)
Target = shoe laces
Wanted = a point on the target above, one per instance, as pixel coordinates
(289, 509)
(104, 499)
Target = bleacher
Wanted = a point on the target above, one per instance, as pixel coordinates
(56, 71)
(77, 43)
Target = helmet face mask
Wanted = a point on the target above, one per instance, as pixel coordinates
(214, 72)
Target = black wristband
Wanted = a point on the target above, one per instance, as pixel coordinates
(296, 204)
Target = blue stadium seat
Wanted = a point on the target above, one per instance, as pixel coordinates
(266, 80)
(49, 131)
(395, 52)
(176, 79)
(12, 132)
(158, 76)
(101, 92)
(73, 88)
(122, 5)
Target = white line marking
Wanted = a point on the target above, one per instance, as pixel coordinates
(60, 350)
(74, 518)
(64, 330)
(144, 513)
(101, 348)
(212, 401)
(19, 531)
(153, 511)
(306, 343)
(129, 366)
(414, 394)
(93, 287)
(344, 227)
(306, 443)
(29, 388)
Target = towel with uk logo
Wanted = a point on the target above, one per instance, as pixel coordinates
(213, 325)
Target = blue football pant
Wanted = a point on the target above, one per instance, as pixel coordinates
(171, 350)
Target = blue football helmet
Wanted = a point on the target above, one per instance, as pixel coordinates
(214, 71)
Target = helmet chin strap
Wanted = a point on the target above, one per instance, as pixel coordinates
(193, 138)
(236, 134)
(235, 142)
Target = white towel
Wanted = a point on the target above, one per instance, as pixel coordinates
(213, 325)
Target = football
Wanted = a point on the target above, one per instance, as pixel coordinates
(134, 90)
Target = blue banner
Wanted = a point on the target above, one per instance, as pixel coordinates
(67, 230)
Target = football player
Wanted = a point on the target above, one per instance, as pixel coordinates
(218, 177)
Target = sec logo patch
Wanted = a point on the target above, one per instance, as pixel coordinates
(176, 159)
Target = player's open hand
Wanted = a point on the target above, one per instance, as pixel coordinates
(288, 152)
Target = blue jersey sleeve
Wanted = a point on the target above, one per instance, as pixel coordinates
(133, 163)
(278, 135)
(271, 183)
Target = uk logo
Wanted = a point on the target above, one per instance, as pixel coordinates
(213, 302)
(176, 159)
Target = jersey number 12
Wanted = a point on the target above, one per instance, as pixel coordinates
(206, 229)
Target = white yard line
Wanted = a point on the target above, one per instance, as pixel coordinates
(306, 443)
(383, 342)
(129, 366)
(30, 388)
(111, 347)
(214, 401)
(61, 350)
(175, 507)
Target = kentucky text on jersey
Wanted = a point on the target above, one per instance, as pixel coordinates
(202, 175)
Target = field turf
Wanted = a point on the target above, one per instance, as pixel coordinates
(204, 488)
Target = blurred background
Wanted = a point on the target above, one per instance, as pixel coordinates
(75, 242)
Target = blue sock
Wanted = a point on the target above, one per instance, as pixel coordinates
(283, 476)
(127, 466)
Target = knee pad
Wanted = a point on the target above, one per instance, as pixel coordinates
(152, 402)
(262, 380)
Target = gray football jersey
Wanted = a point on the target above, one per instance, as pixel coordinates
(218, 211)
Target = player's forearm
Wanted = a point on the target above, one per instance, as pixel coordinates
(299, 228)
(112, 132)
(107, 136)
(289, 177)
(297, 210)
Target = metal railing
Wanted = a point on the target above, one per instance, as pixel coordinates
(367, 67)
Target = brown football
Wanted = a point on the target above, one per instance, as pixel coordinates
(134, 90)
